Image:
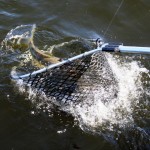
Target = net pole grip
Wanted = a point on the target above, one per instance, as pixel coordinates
(134, 49)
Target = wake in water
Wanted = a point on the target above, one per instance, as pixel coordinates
(109, 108)
(120, 109)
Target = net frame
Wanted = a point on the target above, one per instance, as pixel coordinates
(15, 77)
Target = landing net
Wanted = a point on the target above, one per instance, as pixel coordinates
(74, 79)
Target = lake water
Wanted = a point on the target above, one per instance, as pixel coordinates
(28, 123)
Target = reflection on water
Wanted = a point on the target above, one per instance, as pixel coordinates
(30, 122)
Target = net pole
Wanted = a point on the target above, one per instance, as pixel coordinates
(114, 47)
(104, 47)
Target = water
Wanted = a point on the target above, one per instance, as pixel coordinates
(29, 123)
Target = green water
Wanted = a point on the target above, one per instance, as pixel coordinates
(22, 125)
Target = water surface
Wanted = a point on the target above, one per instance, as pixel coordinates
(24, 124)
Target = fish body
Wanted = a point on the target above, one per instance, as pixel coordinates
(41, 56)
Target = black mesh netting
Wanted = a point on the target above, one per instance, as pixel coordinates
(76, 80)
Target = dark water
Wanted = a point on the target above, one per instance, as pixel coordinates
(22, 126)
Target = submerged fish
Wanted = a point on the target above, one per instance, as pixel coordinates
(22, 38)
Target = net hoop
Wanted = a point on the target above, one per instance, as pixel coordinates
(74, 79)
(16, 77)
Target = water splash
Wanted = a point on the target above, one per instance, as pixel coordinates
(92, 114)
(120, 110)
(19, 37)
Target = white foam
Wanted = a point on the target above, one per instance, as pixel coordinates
(93, 114)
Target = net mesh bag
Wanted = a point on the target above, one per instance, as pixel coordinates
(75, 80)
